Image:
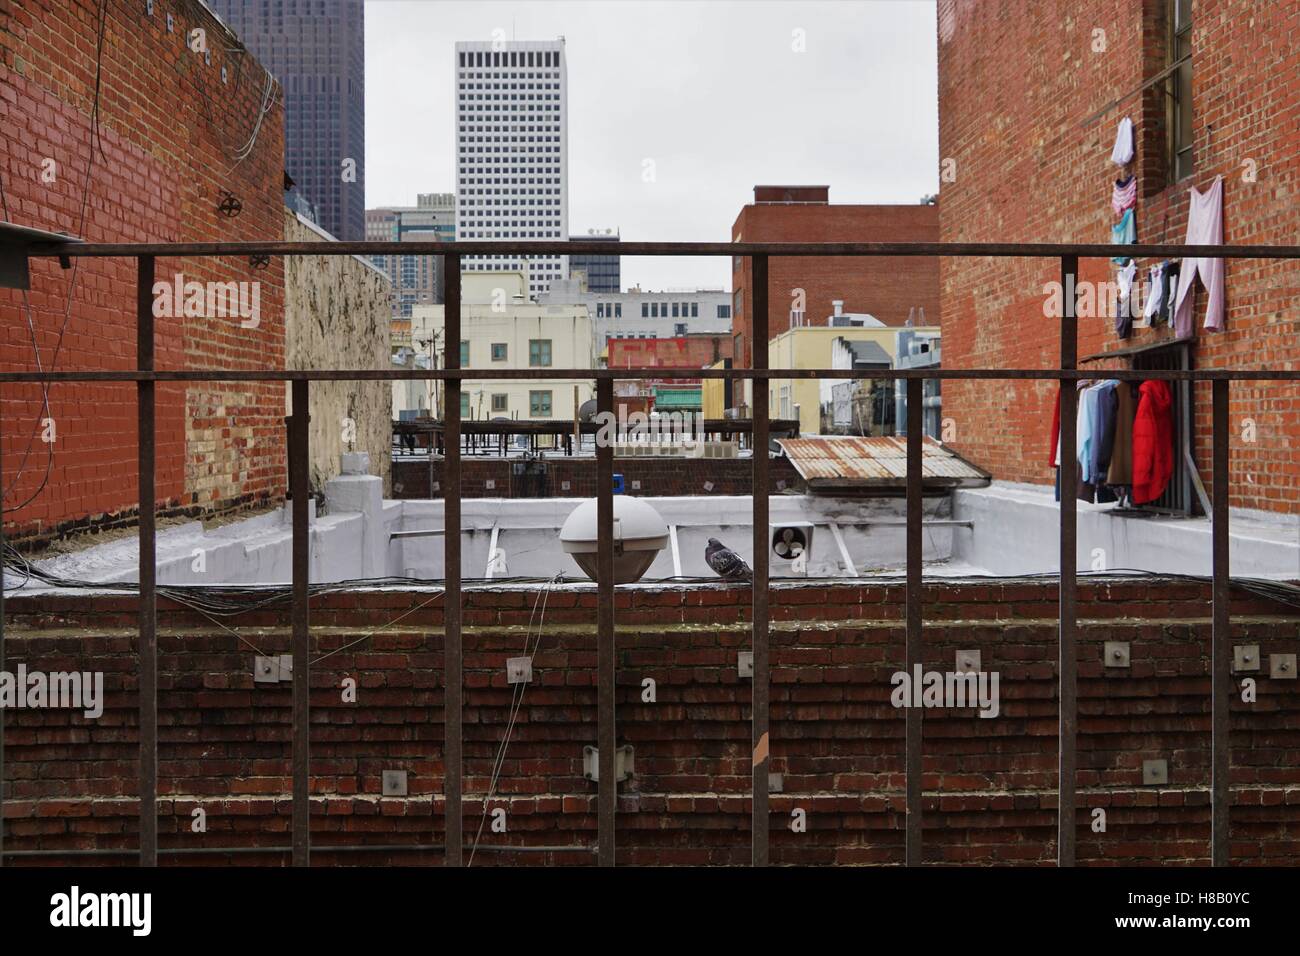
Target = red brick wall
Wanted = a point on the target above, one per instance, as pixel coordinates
(657, 476)
(888, 288)
(689, 351)
(167, 129)
(990, 785)
(1017, 80)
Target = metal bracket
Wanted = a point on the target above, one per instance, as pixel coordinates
(968, 662)
(286, 667)
(394, 783)
(266, 670)
(1155, 772)
(1281, 666)
(1245, 658)
(745, 664)
(519, 670)
(1116, 654)
(775, 783)
(623, 760)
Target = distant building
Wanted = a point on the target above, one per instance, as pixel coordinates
(646, 315)
(815, 347)
(317, 52)
(919, 348)
(602, 272)
(501, 328)
(512, 155)
(801, 289)
(417, 280)
(699, 350)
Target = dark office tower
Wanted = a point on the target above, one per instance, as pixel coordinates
(603, 273)
(316, 49)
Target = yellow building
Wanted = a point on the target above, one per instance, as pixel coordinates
(815, 347)
(501, 328)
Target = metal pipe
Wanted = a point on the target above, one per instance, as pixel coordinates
(453, 753)
(1220, 639)
(300, 489)
(913, 838)
(1067, 668)
(606, 732)
(629, 373)
(257, 850)
(147, 699)
(760, 721)
(1009, 250)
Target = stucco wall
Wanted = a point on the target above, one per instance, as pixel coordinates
(337, 316)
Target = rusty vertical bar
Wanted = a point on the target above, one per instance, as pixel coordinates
(300, 491)
(148, 606)
(913, 842)
(1220, 649)
(2, 639)
(607, 785)
(1067, 667)
(759, 731)
(453, 752)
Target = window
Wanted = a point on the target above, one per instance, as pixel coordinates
(539, 404)
(464, 404)
(695, 310)
(645, 310)
(1178, 102)
(500, 403)
(464, 353)
(724, 311)
(499, 351)
(539, 354)
(677, 310)
(679, 328)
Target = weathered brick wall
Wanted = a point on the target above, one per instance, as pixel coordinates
(990, 785)
(165, 147)
(642, 476)
(888, 288)
(337, 315)
(1018, 84)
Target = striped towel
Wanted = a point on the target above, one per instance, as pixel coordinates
(1125, 195)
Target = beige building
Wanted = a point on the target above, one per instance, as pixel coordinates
(815, 347)
(501, 328)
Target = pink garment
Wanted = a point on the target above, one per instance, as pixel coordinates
(1204, 228)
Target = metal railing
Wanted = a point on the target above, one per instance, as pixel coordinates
(146, 376)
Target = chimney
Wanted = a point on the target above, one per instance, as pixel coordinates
(839, 306)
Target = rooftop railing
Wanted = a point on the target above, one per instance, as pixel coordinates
(146, 375)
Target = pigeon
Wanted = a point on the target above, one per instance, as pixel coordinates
(726, 563)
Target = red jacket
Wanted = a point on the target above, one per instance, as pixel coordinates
(1153, 441)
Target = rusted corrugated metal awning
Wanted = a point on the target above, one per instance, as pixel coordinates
(842, 463)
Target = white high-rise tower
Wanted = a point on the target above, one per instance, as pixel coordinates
(512, 155)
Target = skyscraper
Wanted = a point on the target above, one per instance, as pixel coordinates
(316, 49)
(603, 272)
(512, 157)
(417, 280)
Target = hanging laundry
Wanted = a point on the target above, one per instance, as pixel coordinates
(1124, 307)
(1153, 441)
(1122, 152)
(1103, 430)
(1204, 228)
(1124, 195)
(1155, 292)
(1054, 447)
(1120, 472)
(1124, 232)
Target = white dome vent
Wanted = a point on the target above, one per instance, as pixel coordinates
(639, 535)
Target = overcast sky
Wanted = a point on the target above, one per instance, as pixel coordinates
(713, 92)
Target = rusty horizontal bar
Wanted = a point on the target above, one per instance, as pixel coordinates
(1013, 250)
(600, 374)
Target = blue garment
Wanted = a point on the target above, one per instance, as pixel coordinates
(1124, 232)
(1104, 439)
(1087, 420)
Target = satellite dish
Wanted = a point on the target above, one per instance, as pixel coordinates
(587, 410)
